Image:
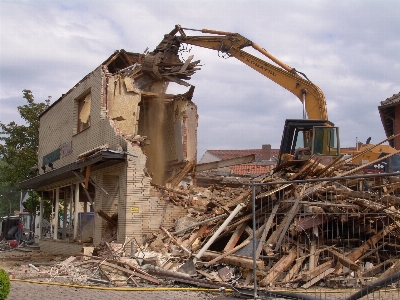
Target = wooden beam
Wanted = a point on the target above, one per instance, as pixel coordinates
(318, 278)
(344, 260)
(306, 276)
(357, 253)
(378, 268)
(282, 265)
(174, 180)
(266, 229)
(294, 270)
(130, 272)
(235, 260)
(198, 234)
(218, 258)
(87, 177)
(235, 237)
(186, 64)
(393, 269)
(283, 227)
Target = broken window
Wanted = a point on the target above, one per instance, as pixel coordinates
(84, 112)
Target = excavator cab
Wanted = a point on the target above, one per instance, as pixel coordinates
(302, 139)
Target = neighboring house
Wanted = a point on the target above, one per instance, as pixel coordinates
(104, 142)
(389, 111)
(265, 160)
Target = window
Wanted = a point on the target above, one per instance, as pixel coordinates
(84, 113)
(326, 141)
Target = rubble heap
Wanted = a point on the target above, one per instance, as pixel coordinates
(336, 231)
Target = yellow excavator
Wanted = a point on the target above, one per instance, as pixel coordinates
(314, 134)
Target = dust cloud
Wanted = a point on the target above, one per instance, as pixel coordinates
(155, 120)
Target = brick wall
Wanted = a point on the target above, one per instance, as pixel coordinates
(142, 213)
(59, 124)
(114, 112)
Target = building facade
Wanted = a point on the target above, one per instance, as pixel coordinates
(104, 143)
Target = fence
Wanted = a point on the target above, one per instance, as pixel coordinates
(326, 238)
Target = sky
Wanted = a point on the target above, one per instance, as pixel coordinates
(350, 49)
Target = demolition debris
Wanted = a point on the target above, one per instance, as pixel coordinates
(315, 225)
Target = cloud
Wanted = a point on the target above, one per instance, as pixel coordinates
(348, 48)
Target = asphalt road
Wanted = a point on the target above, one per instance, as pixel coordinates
(35, 291)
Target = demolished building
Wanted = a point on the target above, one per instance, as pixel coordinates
(118, 141)
(104, 142)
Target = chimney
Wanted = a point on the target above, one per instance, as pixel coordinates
(266, 152)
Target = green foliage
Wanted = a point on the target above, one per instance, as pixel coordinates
(5, 285)
(9, 198)
(19, 143)
(33, 203)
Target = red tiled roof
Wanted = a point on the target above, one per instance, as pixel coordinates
(247, 169)
(228, 154)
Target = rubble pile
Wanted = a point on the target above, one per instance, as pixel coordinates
(334, 233)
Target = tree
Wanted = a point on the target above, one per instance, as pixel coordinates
(18, 150)
(19, 143)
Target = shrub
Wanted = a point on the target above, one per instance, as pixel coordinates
(4, 284)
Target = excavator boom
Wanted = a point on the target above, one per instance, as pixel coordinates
(297, 133)
(231, 44)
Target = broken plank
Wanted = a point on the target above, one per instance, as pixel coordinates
(130, 272)
(344, 260)
(87, 177)
(357, 253)
(318, 278)
(209, 276)
(197, 235)
(393, 269)
(378, 268)
(186, 64)
(282, 265)
(105, 274)
(307, 276)
(218, 258)
(278, 235)
(235, 260)
(283, 227)
(199, 223)
(235, 237)
(294, 270)
(175, 241)
(266, 229)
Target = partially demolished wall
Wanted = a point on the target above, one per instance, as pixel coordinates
(122, 106)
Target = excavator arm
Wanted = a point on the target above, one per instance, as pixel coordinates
(231, 44)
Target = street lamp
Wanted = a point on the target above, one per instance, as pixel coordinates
(8, 201)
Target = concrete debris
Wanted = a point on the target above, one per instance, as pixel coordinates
(335, 233)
